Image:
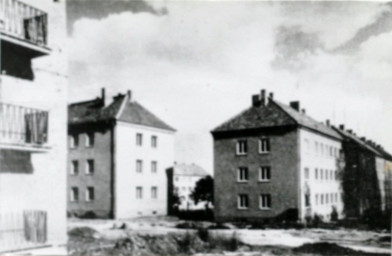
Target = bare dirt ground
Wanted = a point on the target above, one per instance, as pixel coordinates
(159, 236)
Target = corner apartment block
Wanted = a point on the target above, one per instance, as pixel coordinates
(33, 124)
(272, 160)
(118, 154)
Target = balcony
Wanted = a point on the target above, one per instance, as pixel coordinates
(23, 128)
(23, 230)
(23, 28)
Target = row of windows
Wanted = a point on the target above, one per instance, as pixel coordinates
(139, 140)
(89, 140)
(264, 201)
(89, 167)
(139, 166)
(177, 189)
(321, 149)
(89, 194)
(264, 174)
(139, 192)
(326, 198)
(322, 174)
(242, 146)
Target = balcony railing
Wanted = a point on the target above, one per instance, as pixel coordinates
(22, 230)
(22, 126)
(24, 22)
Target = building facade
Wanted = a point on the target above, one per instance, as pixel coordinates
(182, 179)
(33, 124)
(274, 161)
(118, 154)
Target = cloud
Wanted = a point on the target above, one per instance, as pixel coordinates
(99, 9)
(198, 65)
(382, 24)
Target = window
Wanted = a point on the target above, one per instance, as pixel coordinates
(321, 149)
(242, 147)
(331, 174)
(336, 175)
(336, 197)
(326, 198)
(74, 167)
(306, 142)
(90, 167)
(306, 173)
(154, 166)
(139, 166)
(321, 174)
(89, 139)
(154, 141)
(139, 139)
(264, 145)
(307, 199)
(89, 194)
(265, 201)
(331, 151)
(316, 199)
(154, 192)
(243, 202)
(316, 147)
(74, 197)
(316, 173)
(242, 174)
(326, 174)
(265, 173)
(321, 199)
(73, 141)
(139, 192)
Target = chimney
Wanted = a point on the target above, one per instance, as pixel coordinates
(341, 127)
(262, 97)
(270, 97)
(328, 123)
(350, 131)
(103, 95)
(363, 139)
(129, 94)
(256, 100)
(303, 111)
(295, 105)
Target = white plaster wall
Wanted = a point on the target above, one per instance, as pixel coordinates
(126, 177)
(45, 189)
(381, 173)
(309, 158)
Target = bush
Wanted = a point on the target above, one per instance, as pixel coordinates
(196, 214)
(218, 241)
(203, 234)
(88, 215)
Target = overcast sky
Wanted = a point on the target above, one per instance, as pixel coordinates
(196, 63)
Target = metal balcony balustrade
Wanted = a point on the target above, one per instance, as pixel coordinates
(22, 127)
(24, 22)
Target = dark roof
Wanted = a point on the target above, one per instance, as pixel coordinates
(189, 170)
(272, 115)
(355, 139)
(135, 113)
(120, 109)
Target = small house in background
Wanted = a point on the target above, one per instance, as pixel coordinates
(182, 179)
(118, 154)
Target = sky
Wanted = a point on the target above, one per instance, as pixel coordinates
(195, 64)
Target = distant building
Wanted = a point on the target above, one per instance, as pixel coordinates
(118, 154)
(367, 175)
(182, 181)
(272, 160)
(33, 130)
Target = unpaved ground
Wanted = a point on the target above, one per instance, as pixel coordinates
(265, 242)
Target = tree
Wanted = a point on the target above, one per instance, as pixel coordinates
(204, 190)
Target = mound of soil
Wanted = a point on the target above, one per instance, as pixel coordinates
(83, 233)
(330, 249)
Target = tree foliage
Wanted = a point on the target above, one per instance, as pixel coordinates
(204, 190)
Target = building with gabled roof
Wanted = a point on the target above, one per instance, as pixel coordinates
(118, 154)
(272, 160)
(367, 175)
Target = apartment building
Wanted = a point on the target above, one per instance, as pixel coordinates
(33, 124)
(182, 179)
(273, 160)
(118, 154)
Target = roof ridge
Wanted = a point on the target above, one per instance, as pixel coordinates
(233, 118)
(280, 107)
(84, 102)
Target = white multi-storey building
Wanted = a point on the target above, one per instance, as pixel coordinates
(33, 116)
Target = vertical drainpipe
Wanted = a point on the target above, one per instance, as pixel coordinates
(299, 173)
(112, 170)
